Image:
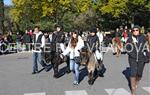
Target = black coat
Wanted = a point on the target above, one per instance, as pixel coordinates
(136, 50)
(26, 38)
(93, 42)
(58, 37)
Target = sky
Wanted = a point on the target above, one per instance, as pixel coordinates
(7, 2)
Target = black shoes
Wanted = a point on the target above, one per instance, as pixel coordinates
(34, 72)
(46, 68)
(114, 53)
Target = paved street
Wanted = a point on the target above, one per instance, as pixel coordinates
(16, 78)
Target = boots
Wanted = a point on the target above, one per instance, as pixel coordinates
(133, 85)
(101, 69)
(99, 65)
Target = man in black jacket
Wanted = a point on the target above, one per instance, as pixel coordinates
(93, 44)
(135, 49)
(58, 38)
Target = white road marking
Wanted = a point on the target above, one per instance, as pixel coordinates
(146, 89)
(119, 91)
(41, 93)
(77, 92)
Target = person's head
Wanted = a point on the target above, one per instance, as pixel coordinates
(75, 34)
(126, 27)
(98, 30)
(26, 31)
(136, 30)
(74, 38)
(121, 27)
(93, 31)
(36, 29)
(125, 30)
(58, 28)
(117, 29)
(30, 31)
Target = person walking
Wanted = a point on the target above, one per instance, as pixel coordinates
(58, 37)
(74, 47)
(39, 43)
(26, 40)
(18, 42)
(94, 45)
(135, 49)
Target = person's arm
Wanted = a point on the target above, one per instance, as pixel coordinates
(43, 41)
(129, 44)
(50, 38)
(67, 50)
(54, 37)
(144, 42)
(101, 38)
(61, 37)
(97, 43)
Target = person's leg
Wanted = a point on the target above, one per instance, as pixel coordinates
(41, 61)
(118, 51)
(72, 65)
(140, 69)
(101, 68)
(137, 81)
(73, 68)
(62, 46)
(98, 55)
(76, 72)
(43, 64)
(17, 46)
(133, 73)
(35, 65)
(98, 58)
(133, 85)
(26, 47)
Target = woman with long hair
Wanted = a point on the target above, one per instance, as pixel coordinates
(73, 49)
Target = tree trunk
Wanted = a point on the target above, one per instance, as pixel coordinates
(1, 16)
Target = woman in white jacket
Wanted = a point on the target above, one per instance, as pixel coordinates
(75, 45)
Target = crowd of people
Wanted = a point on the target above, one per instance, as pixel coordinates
(133, 40)
(120, 37)
(71, 44)
(15, 42)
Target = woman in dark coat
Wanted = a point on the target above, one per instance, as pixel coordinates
(135, 49)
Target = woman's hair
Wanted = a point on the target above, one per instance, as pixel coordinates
(37, 27)
(74, 41)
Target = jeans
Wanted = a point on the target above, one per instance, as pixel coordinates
(18, 46)
(36, 57)
(75, 68)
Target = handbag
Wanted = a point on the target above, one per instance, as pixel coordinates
(77, 59)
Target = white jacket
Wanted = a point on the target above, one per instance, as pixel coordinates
(74, 52)
(42, 40)
(100, 36)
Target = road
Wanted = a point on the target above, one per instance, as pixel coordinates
(16, 78)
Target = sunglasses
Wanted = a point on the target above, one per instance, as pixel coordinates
(135, 30)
